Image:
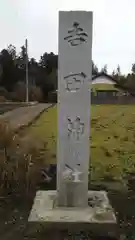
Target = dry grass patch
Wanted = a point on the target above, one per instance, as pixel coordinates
(21, 161)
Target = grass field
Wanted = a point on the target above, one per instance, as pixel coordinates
(112, 140)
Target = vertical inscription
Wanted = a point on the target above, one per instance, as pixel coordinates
(74, 81)
(72, 174)
(74, 105)
(76, 35)
(75, 128)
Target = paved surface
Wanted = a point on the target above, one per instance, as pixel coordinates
(24, 115)
(9, 106)
(4, 109)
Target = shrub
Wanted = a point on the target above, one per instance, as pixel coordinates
(2, 99)
(4, 92)
(19, 93)
(35, 94)
(13, 96)
(21, 162)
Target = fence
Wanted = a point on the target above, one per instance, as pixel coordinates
(110, 99)
(103, 97)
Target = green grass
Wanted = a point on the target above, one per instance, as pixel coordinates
(112, 139)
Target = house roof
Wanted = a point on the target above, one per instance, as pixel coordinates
(105, 75)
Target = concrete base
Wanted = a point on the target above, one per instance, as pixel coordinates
(98, 218)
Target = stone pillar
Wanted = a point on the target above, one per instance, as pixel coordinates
(74, 73)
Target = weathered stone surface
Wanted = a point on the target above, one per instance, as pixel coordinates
(75, 65)
(98, 218)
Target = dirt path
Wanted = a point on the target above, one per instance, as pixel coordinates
(23, 116)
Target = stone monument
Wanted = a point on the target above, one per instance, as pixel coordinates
(72, 208)
(75, 67)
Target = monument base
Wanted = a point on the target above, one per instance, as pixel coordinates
(98, 219)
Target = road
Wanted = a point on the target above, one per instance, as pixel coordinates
(23, 116)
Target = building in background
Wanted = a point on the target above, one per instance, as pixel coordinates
(103, 78)
(104, 86)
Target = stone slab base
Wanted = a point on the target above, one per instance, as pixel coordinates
(98, 219)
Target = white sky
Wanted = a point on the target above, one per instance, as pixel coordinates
(113, 29)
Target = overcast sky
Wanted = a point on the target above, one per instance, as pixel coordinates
(113, 28)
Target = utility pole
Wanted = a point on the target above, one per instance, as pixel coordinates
(27, 76)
